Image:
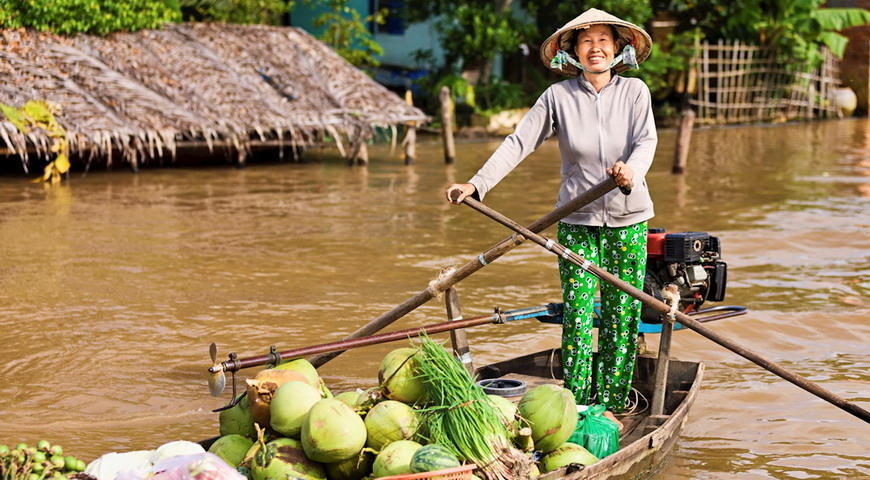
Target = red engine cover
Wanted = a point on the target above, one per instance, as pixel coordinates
(655, 245)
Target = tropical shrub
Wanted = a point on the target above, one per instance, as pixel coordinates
(266, 12)
(99, 17)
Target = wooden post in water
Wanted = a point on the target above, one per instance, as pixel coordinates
(241, 156)
(410, 140)
(458, 338)
(362, 153)
(684, 138)
(447, 124)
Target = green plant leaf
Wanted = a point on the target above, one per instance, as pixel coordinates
(38, 111)
(834, 41)
(15, 116)
(836, 19)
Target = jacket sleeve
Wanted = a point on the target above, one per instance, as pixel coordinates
(643, 134)
(535, 127)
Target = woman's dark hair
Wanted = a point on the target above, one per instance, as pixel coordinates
(569, 39)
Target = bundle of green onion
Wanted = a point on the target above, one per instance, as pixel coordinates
(462, 418)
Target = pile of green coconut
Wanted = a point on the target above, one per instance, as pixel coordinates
(426, 415)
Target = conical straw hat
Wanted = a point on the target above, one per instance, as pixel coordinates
(563, 39)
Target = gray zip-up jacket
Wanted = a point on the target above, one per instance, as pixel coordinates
(595, 130)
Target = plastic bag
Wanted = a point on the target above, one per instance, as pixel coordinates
(201, 466)
(111, 465)
(595, 432)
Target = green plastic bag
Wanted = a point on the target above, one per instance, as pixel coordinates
(595, 432)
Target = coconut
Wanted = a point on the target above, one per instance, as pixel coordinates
(551, 413)
(332, 432)
(354, 468)
(238, 420)
(231, 448)
(399, 377)
(284, 459)
(390, 421)
(566, 454)
(352, 399)
(508, 410)
(289, 407)
(307, 370)
(395, 459)
(262, 388)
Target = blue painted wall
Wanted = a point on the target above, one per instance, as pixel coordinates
(398, 49)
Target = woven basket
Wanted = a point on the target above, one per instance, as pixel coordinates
(456, 473)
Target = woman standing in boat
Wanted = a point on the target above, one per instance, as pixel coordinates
(604, 125)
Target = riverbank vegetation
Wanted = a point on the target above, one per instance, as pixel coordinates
(474, 33)
(477, 35)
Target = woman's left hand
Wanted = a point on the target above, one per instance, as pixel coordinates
(622, 174)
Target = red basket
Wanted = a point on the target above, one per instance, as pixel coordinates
(456, 473)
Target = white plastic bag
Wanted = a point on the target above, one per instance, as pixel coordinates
(111, 465)
(202, 466)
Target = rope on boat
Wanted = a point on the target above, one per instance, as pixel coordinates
(436, 286)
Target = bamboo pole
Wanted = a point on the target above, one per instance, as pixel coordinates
(458, 338)
(684, 139)
(661, 307)
(447, 124)
(472, 266)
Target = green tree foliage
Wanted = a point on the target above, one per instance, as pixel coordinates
(99, 17)
(265, 12)
(346, 31)
(472, 32)
(795, 28)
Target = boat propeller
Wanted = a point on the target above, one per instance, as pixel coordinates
(217, 379)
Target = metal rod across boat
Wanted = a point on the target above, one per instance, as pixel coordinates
(472, 266)
(277, 357)
(684, 319)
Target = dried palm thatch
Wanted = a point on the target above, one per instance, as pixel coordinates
(143, 94)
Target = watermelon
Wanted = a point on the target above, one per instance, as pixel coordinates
(430, 458)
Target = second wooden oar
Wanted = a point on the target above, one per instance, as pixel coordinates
(471, 266)
(684, 319)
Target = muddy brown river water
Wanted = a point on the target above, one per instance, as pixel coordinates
(112, 285)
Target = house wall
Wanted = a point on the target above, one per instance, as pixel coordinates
(398, 49)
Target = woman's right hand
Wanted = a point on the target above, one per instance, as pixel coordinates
(457, 192)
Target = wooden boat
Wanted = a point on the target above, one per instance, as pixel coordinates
(646, 439)
(667, 386)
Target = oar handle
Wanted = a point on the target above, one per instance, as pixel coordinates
(687, 321)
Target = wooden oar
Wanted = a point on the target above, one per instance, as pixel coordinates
(684, 319)
(470, 267)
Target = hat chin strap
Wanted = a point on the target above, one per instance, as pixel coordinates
(627, 57)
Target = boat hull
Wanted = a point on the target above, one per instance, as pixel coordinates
(648, 440)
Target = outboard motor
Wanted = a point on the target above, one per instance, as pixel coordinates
(689, 260)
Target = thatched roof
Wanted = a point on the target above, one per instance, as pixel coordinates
(143, 93)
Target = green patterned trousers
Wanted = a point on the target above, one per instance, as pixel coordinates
(622, 252)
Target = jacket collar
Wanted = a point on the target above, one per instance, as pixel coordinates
(586, 84)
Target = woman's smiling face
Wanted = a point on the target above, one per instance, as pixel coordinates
(595, 47)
